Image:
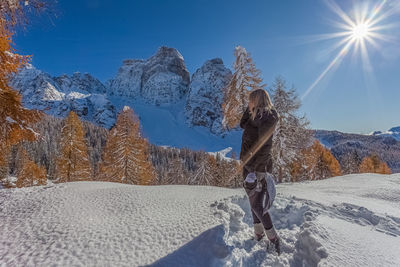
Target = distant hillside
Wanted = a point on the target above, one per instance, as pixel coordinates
(392, 132)
(385, 146)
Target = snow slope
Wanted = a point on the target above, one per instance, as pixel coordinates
(344, 221)
(166, 125)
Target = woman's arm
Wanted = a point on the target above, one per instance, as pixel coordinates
(245, 118)
(264, 124)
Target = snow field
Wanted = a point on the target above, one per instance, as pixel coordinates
(100, 224)
(343, 221)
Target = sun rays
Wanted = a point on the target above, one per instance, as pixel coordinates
(359, 30)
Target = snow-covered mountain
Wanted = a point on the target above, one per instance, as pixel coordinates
(203, 105)
(161, 79)
(173, 109)
(352, 220)
(392, 132)
(187, 111)
(58, 96)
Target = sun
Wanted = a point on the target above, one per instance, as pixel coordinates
(360, 31)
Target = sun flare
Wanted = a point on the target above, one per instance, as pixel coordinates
(361, 31)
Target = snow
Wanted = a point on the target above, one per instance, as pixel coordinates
(11, 180)
(165, 125)
(76, 95)
(351, 220)
(222, 153)
(10, 120)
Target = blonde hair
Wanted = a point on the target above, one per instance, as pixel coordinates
(259, 101)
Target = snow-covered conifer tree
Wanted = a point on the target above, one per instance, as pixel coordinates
(246, 77)
(205, 174)
(291, 134)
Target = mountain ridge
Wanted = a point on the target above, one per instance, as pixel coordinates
(392, 132)
(190, 116)
(342, 144)
(160, 80)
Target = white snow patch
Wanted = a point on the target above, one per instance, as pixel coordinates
(10, 120)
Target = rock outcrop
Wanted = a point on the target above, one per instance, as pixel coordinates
(205, 96)
(161, 79)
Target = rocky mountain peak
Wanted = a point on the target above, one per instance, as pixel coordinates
(161, 79)
(213, 62)
(203, 106)
(168, 52)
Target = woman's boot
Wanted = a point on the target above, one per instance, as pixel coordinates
(274, 239)
(259, 231)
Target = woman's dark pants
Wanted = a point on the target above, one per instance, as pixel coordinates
(257, 208)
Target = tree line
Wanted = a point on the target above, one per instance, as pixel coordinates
(71, 150)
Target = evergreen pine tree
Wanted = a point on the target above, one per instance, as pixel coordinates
(246, 77)
(291, 133)
(126, 156)
(73, 162)
(206, 172)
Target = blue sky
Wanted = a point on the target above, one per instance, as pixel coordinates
(96, 35)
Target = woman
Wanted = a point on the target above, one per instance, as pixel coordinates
(258, 121)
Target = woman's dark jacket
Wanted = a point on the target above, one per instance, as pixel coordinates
(253, 130)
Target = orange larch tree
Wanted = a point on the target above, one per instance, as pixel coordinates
(373, 164)
(14, 119)
(315, 162)
(73, 163)
(30, 174)
(126, 157)
(246, 77)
